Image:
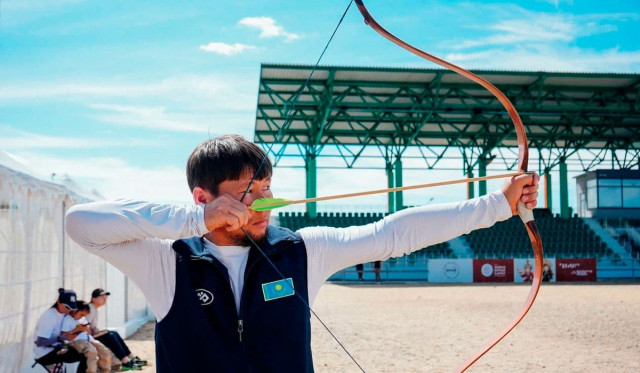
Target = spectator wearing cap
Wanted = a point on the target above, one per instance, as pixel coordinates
(98, 299)
(110, 338)
(49, 342)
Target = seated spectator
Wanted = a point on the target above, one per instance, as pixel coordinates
(75, 328)
(109, 338)
(50, 346)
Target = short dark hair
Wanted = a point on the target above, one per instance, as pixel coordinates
(83, 306)
(225, 158)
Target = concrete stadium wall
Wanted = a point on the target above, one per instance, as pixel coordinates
(37, 258)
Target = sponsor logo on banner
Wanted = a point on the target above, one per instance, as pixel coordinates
(487, 270)
(576, 269)
(450, 270)
(493, 270)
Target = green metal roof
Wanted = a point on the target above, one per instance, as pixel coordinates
(400, 108)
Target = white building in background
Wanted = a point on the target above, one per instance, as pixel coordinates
(612, 194)
(37, 258)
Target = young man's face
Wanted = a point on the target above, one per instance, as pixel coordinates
(99, 301)
(79, 314)
(257, 225)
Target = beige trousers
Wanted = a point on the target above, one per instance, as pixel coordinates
(98, 356)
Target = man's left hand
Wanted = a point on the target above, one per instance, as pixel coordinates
(522, 188)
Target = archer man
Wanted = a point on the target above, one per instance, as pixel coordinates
(219, 301)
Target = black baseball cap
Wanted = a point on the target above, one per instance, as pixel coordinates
(68, 299)
(99, 292)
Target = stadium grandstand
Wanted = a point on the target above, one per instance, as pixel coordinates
(576, 122)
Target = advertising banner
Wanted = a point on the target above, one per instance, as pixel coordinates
(525, 268)
(576, 269)
(450, 270)
(493, 270)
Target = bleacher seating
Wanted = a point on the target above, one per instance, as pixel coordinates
(631, 246)
(298, 220)
(561, 238)
(620, 223)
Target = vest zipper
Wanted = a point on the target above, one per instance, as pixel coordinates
(240, 329)
(240, 321)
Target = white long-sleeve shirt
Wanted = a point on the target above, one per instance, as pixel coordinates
(136, 238)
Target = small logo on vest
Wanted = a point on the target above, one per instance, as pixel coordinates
(204, 296)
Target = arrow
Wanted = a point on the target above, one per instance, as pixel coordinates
(263, 204)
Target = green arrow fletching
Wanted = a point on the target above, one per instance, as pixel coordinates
(264, 204)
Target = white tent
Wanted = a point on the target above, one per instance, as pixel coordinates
(37, 258)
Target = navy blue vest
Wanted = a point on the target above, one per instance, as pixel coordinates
(203, 331)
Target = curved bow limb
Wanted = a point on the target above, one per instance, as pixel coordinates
(523, 160)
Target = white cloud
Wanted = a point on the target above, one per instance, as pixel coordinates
(520, 26)
(543, 29)
(525, 40)
(556, 3)
(191, 103)
(226, 49)
(38, 90)
(16, 13)
(268, 28)
(229, 92)
(36, 5)
(29, 140)
(155, 118)
(549, 58)
(115, 178)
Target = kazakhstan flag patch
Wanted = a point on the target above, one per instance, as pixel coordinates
(278, 289)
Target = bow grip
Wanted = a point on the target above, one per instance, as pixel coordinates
(525, 214)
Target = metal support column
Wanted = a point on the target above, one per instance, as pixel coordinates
(311, 177)
(398, 169)
(391, 206)
(471, 190)
(482, 171)
(548, 198)
(564, 190)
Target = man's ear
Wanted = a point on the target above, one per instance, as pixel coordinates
(201, 196)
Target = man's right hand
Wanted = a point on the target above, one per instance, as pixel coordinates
(226, 212)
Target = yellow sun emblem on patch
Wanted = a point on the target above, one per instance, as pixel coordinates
(277, 289)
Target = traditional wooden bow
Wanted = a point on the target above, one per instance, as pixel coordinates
(523, 160)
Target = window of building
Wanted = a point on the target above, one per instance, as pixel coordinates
(609, 193)
(631, 193)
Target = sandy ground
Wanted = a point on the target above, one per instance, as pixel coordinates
(430, 328)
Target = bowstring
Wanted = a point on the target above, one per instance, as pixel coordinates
(286, 124)
(287, 118)
(302, 300)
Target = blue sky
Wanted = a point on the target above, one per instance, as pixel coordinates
(117, 94)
